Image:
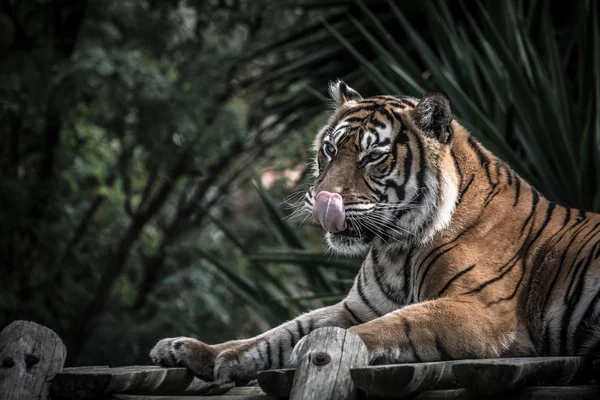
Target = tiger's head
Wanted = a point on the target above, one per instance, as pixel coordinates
(380, 170)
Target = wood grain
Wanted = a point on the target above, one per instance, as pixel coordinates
(31, 355)
(93, 382)
(489, 376)
(325, 357)
(277, 382)
(400, 380)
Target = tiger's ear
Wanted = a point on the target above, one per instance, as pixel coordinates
(341, 93)
(434, 117)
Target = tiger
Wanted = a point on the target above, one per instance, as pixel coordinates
(464, 258)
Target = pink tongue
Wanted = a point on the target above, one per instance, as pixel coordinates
(329, 212)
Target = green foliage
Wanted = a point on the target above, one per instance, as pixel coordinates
(123, 134)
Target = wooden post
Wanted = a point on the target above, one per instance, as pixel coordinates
(31, 355)
(325, 358)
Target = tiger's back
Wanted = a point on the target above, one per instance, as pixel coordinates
(513, 249)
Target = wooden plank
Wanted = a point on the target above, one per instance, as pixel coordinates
(584, 392)
(579, 392)
(587, 392)
(325, 357)
(238, 393)
(201, 387)
(393, 381)
(221, 397)
(489, 376)
(401, 380)
(94, 382)
(31, 355)
(277, 382)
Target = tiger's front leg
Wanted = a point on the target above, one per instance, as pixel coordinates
(441, 329)
(240, 360)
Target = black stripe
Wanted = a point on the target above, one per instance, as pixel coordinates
(517, 191)
(551, 241)
(421, 172)
(384, 142)
(280, 354)
(509, 174)
(368, 107)
(535, 198)
(293, 340)
(398, 189)
(546, 340)
(372, 189)
(495, 279)
(516, 289)
(596, 254)
(495, 191)
(583, 324)
(387, 114)
(377, 123)
(484, 160)
(269, 356)
(389, 292)
(454, 278)
(560, 265)
(353, 119)
(361, 293)
(401, 137)
(407, 165)
(571, 300)
(353, 314)
(428, 267)
(549, 212)
(587, 238)
(300, 328)
(466, 187)
(407, 269)
(567, 216)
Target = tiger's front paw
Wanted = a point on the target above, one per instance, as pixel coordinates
(186, 352)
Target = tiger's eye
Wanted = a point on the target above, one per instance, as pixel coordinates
(375, 155)
(329, 149)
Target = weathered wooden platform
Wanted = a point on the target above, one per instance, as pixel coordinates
(332, 365)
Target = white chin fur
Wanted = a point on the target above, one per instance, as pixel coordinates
(345, 245)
